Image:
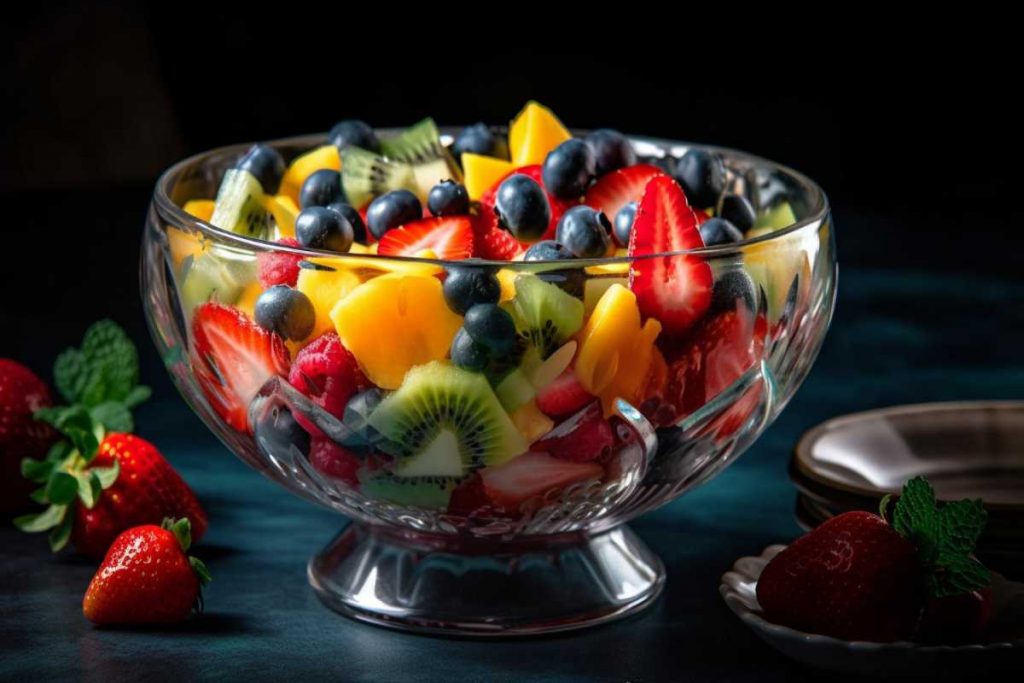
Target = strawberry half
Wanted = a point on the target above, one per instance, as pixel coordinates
(675, 290)
(232, 357)
(533, 474)
(450, 238)
(618, 188)
(564, 396)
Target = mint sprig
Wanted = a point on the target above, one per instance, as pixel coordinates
(945, 537)
(100, 382)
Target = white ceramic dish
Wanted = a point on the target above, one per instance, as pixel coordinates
(739, 589)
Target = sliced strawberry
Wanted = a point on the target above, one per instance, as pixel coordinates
(618, 188)
(450, 238)
(583, 437)
(558, 206)
(533, 474)
(233, 357)
(493, 243)
(564, 396)
(675, 290)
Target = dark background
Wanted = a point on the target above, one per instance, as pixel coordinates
(917, 145)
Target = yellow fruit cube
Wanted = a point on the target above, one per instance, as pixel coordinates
(285, 211)
(325, 288)
(302, 167)
(482, 172)
(200, 208)
(531, 422)
(393, 323)
(247, 301)
(534, 132)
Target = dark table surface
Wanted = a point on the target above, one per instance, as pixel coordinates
(897, 338)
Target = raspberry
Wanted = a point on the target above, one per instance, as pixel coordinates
(278, 267)
(332, 460)
(327, 373)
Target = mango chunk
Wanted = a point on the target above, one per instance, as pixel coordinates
(302, 166)
(393, 323)
(534, 132)
(325, 288)
(482, 172)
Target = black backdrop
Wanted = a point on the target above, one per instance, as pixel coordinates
(916, 145)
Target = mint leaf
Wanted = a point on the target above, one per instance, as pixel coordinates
(42, 521)
(916, 518)
(961, 574)
(112, 359)
(960, 524)
(113, 415)
(62, 488)
(70, 374)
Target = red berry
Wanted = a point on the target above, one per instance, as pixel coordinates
(278, 267)
(618, 188)
(232, 358)
(146, 491)
(675, 290)
(470, 496)
(145, 578)
(493, 243)
(333, 460)
(584, 436)
(327, 373)
(21, 394)
(533, 475)
(852, 578)
(564, 396)
(450, 238)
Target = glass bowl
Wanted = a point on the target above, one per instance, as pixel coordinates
(534, 543)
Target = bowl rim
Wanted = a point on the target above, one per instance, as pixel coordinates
(178, 217)
(800, 461)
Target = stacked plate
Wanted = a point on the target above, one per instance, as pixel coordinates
(965, 449)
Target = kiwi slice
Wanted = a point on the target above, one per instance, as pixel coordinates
(365, 175)
(545, 316)
(421, 492)
(522, 384)
(420, 147)
(445, 422)
(210, 277)
(239, 205)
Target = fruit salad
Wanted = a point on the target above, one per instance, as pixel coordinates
(465, 315)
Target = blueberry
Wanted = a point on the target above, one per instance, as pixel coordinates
(285, 311)
(623, 226)
(479, 139)
(266, 164)
(568, 169)
(321, 228)
(278, 431)
(448, 198)
(391, 210)
(349, 213)
(719, 231)
(612, 150)
(361, 436)
(321, 188)
(570, 280)
(733, 287)
(739, 211)
(702, 176)
(522, 207)
(465, 287)
(468, 354)
(354, 133)
(584, 231)
(492, 327)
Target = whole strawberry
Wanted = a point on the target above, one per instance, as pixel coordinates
(101, 480)
(147, 578)
(860, 577)
(21, 395)
(852, 578)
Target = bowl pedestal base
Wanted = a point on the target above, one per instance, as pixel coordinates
(433, 584)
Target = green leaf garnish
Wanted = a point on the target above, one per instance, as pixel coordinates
(41, 521)
(114, 416)
(944, 536)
